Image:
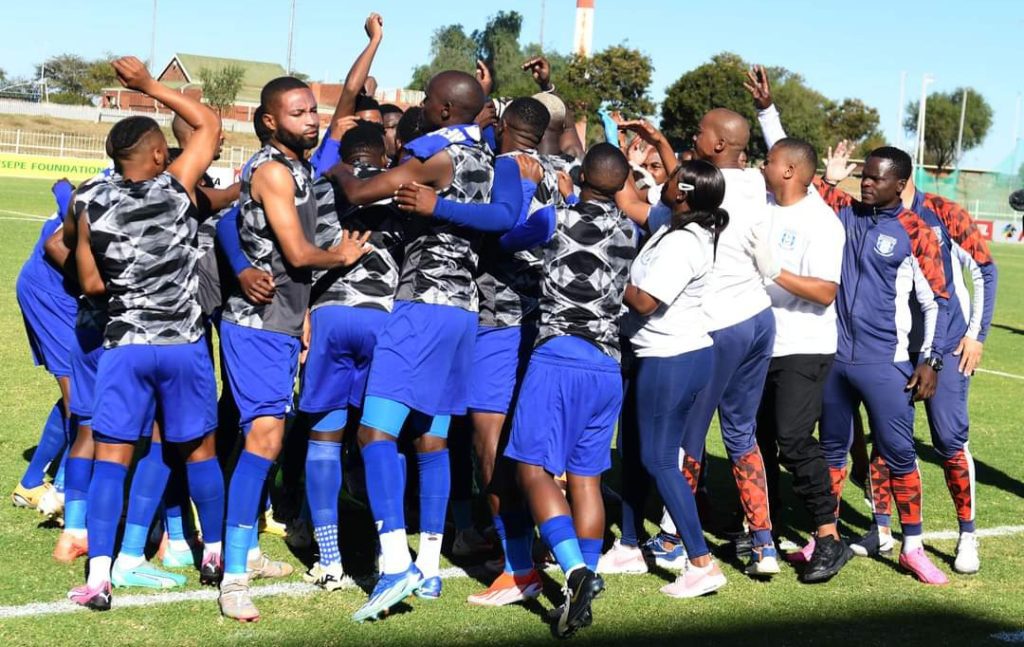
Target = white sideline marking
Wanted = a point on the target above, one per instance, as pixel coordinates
(19, 218)
(1000, 373)
(22, 213)
(295, 589)
(1010, 636)
(288, 589)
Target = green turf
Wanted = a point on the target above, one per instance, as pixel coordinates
(869, 603)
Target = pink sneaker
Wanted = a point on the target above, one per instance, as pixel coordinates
(923, 569)
(803, 555)
(97, 599)
(622, 559)
(695, 582)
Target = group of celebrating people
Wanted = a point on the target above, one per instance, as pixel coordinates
(468, 265)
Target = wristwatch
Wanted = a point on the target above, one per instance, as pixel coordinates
(935, 362)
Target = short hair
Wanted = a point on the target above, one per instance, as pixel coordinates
(800, 152)
(262, 132)
(555, 106)
(276, 87)
(901, 162)
(126, 135)
(365, 138)
(529, 113)
(390, 108)
(180, 128)
(364, 103)
(605, 168)
(410, 126)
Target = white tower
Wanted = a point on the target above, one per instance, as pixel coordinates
(583, 38)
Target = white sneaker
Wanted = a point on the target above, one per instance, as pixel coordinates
(51, 504)
(967, 560)
(329, 577)
(470, 542)
(622, 559)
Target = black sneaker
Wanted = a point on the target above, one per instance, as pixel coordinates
(873, 544)
(581, 587)
(830, 555)
(211, 572)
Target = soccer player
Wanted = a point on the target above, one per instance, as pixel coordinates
(572, 391)
(261, 342)
(674, 356)
(48, 311)
(969, 320)
(742, 326)
(561, 145)
(390, 115)
(890, 251)
(423, 356)
(508, 282)
(347, 309)
(138, 248)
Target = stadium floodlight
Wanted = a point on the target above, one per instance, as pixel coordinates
(922, 109)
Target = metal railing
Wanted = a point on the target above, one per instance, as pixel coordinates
(27, 142)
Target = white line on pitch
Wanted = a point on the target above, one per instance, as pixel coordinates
(288, 589)
(22, 213)
(22, 219)
(1000, 373)
(294, 589)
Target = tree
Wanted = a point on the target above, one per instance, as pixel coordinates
(3, 76)
(618, 76)
(221, 86)
(450, 49)
(65, 76)
(942, 124)
(806, 113)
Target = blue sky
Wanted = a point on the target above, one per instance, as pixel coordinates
(856, 49)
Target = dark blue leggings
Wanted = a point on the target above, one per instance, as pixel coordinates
(663, 393)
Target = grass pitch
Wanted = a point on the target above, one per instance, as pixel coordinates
(870, 602)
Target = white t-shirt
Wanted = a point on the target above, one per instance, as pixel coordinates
(673, 268)
(807, 239)
(736, 291)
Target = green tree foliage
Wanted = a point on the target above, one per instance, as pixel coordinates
(942, 124)
(71, 79)
(450, 49)
(221, 86)
(806, 113)
(617, 75)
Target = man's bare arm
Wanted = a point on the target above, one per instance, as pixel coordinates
(435, 172)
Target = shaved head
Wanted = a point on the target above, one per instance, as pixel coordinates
(721, 136)
(452, 97)
(605, 168)
(182, 131)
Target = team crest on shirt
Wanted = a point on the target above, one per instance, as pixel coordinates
(938, 234)
(885, 245)
(788, 240)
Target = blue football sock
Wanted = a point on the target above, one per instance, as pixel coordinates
(78, 475)
(323, 484)
(175, 499)
(243, 506)
(384, 490)
(206, 488)
(515, 529)
(60, 476)
(50, 443)
(435, 486)
(147, 490)
(591, 549)
(105, 501)
(560, 536)
(883, 520)
(763, 538)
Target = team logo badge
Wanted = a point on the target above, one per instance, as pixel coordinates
(885, 245)
(938, 234)
(788, 240)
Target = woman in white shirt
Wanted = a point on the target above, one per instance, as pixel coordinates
(674, 361)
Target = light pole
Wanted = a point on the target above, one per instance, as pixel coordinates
(903, 101)
(291, 28)
(922, 109)
(960, 135)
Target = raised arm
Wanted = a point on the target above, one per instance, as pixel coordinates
(647, 132)
(273, 186)
(356, 79)
(837, 169)
(202, 145)
(569, 140)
